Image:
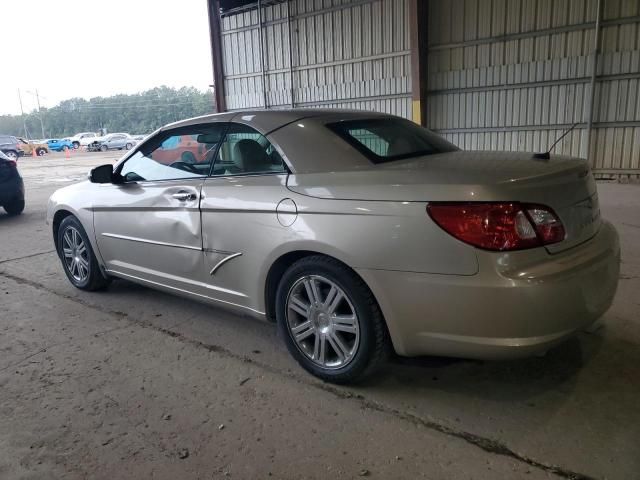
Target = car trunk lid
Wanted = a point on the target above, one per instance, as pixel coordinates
(562, 183)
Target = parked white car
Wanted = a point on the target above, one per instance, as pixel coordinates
(83, 139)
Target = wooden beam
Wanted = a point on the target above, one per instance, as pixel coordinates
(418, 11)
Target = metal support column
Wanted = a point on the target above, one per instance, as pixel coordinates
(290, 26)
(594, 72)
(215, 34)
(264, 73)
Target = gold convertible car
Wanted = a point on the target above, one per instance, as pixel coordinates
(358, 233)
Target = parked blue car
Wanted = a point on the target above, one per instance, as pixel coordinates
(60, 145)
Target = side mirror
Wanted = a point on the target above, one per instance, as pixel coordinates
(102, 174)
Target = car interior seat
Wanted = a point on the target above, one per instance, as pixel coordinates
(249, 156)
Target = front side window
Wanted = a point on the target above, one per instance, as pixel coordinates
(246, 151)
(387, 139)
(185, 152)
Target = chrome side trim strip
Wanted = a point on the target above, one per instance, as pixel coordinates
(152, 242)
(158, 284)
(223, 261)
(175, 278)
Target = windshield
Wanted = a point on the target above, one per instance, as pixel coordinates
(387, 139)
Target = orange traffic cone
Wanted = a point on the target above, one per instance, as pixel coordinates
(33, 152)
(66, 153)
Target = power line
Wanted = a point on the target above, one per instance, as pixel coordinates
(100, 107)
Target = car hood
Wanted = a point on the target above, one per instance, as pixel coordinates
(453, 176)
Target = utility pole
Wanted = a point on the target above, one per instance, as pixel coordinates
(24, 122)
(40, 113)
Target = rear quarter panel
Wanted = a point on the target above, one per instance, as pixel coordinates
(239, 216)
(396, 236)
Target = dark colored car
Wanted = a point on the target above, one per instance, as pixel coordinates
(10, 146)
(11, 186)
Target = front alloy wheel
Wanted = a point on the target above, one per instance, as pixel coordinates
(322, 321)
(78, 260)
(76, 256)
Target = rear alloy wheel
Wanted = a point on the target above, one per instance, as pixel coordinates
(76, 145)
(104, 148)
(330, 320)
(128, 146)
(40, 152)
(78, 260)
(15, 206)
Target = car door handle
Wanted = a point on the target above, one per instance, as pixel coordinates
(184, 196)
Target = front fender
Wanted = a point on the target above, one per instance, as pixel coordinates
(73, 201)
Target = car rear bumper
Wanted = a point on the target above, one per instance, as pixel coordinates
(518, 304)
(11, 189)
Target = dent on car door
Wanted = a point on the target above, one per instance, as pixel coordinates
(239, 222)
(148, 226)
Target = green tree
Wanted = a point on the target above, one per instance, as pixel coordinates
(138, 113)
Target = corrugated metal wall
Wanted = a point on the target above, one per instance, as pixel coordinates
(319, 53)
(513, 74)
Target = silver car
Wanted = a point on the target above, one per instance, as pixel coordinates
(358, 233)
(114, 141)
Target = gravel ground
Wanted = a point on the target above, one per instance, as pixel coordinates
(133, 383)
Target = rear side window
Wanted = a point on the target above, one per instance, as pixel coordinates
(246, 151)
(387, 139)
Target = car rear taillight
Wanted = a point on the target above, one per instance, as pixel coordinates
(498, 226)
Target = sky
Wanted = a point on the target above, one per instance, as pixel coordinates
(87, 48)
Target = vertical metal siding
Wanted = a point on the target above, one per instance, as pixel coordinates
(344, 54)
(514, 74)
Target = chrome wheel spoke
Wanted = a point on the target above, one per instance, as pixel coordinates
(83, 263)
(338, 346)
(331, 308)
(67, 253)
(311, 287)
(298, 306)
(74, 267)
(333, 291)
(303, 330)
(345, 323)
(320, 348)
(67, 238)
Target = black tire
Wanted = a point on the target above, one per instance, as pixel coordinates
(128, 146)
(76, 145)
(13, 155)
(40, 152)
(95, 280)
(104, 148)
(15, 206)
(374, 343)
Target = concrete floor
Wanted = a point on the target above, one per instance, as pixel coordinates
(132, 383)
